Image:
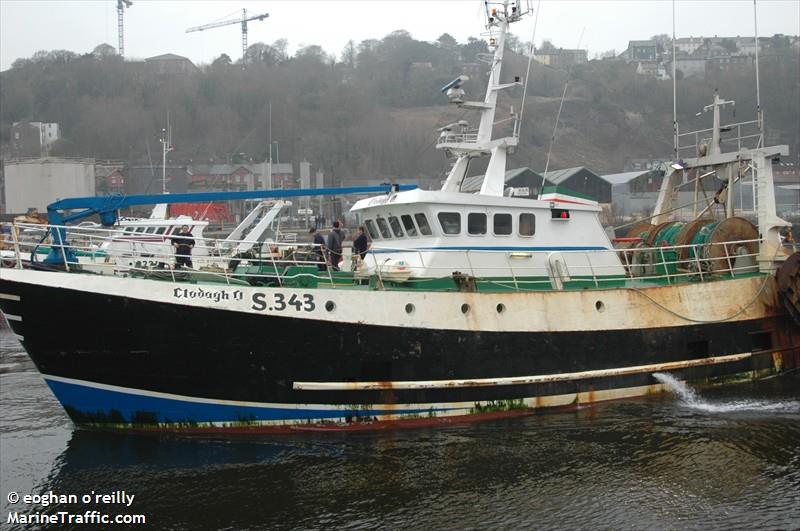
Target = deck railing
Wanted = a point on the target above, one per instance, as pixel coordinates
(111, 252)
(743, 134)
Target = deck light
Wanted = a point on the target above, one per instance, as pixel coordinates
(678, 165)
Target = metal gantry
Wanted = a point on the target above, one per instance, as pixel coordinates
(121, 5)
(243, 21)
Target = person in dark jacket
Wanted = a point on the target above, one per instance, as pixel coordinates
(361, 243)
(319, 248)
(183, 242)
(334, 246)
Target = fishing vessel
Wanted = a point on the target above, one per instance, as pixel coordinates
(467, 306)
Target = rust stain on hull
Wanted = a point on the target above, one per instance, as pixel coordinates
(521, 380)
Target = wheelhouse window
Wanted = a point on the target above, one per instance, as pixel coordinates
(130, 229)
(384, 228)
(502, 224)
(450, 222)
(161, 230)
(408, 223)
(476, 223)
(150, 230)
(396, 229)
(422, 223)
(527, 224)
(372, 230)
(139, 229)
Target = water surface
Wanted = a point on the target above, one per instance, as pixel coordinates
(714, 459)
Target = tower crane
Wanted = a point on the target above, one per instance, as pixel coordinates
(243, 21)
(121, 5)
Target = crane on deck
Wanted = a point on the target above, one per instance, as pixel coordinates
(121, 5)
(243, 21)
(107, 208)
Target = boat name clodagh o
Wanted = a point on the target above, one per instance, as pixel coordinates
(467, 306)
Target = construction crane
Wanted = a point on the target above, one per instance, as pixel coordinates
(121, 5)
(243, 21)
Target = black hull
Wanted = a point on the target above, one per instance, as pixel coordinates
(126, 345)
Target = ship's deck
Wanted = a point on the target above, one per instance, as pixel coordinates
(297, 265)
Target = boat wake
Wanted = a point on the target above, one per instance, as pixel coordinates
(690, 398)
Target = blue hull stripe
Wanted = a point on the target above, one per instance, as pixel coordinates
(99, 403)
(487, 248)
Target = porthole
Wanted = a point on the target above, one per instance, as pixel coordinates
(330, 306)
(599, 306)
(409, 308)
(501, 308)
(465, 309)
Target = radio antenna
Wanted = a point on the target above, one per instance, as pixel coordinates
(759, 114)
(675, 138)
(558, 116)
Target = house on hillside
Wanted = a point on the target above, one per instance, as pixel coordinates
(146, 179)
(652, 69)
(220, 177)
(687, 45)
(581, 180)
(33, 139)
(640, 51)
(169, 64)
(711, 50)
(689, 66)
(730, 63)
(744, 45)
(283, 176)
(561, 57)
(108, 180)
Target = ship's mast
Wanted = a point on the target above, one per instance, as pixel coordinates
(457, 139)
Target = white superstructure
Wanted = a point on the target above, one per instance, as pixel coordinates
(407, 227)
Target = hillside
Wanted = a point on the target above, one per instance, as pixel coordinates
(371, 112)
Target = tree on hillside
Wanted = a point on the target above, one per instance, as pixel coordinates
(779, 41)
(269, 55)
(222, 60)
(312, 51)
(663, 42)
(514, 44)
(348, 57)
(44, 58)
(101, 51)
(473, 47)
(446, 41)
(547, 46)
(281, 49)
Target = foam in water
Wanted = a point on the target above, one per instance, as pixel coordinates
(690, 398)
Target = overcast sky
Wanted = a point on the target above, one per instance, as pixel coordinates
(153, 27)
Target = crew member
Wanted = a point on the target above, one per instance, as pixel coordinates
(183, 242)
(334, 246)
(319, 248)
(360, 246)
